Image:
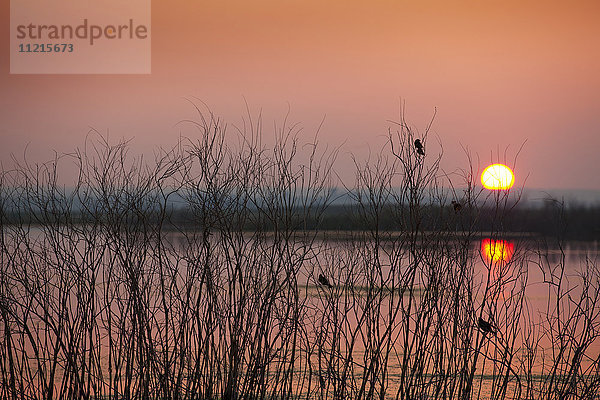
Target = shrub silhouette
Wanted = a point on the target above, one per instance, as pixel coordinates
(196, 276)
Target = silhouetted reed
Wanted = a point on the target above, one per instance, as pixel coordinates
(206, 274)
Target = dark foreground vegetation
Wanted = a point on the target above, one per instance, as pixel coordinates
(110, 291)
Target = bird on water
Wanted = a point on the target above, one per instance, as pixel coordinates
(323, 281)
(419, 147)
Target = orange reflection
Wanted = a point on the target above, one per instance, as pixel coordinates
(497, 250)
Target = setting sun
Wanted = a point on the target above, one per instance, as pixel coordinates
(497, 177)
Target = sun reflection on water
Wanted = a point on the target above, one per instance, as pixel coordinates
(497, 251)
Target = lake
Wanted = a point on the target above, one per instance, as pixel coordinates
(147, 314)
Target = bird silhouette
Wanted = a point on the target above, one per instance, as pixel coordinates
(457, 206)
(321, 381)
(485, 326)
(323, 281)
(419, 147)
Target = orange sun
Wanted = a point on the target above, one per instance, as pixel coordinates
(497, 177)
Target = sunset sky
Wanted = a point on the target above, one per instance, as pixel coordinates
(500, 74)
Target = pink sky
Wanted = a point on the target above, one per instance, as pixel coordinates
(499, 73)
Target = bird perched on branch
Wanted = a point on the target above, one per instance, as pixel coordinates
(419, 147)
(323, 281)
(457, 206)
(485, 326)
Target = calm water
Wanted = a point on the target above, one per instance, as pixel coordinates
(525, 306)
(374, 309)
